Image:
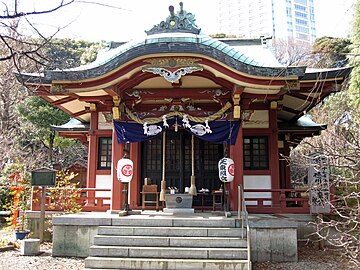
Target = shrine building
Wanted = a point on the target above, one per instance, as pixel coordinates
(176, 102)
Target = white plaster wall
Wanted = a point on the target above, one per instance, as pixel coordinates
(257, 182)
(259, 119)
(102, 123)
(103, 181)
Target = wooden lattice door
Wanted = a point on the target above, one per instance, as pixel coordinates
(178, 162)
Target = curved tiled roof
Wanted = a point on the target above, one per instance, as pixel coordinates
(177, 43)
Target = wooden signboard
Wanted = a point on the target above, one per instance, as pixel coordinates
(319, 184)
(43, 177)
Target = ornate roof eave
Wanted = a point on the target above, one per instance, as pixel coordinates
(302, 124)
(326, 74)
(33, 79)
(206, 47)
(72, 125)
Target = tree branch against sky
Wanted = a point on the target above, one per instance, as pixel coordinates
(14, 11)
(16, 45)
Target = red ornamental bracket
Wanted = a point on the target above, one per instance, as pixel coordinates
(125, 170)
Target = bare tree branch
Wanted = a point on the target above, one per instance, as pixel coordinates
(17, 14)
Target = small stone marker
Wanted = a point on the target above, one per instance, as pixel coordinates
(30, 247)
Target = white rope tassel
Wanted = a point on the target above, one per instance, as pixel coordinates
(164, 121)
(146, 128)
(207, 127)
(185, 121)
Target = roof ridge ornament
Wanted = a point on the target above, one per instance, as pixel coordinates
(172, 68)
(181, 22)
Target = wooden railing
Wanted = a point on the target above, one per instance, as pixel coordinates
(289, 201)
(295, 201)
(88, 200)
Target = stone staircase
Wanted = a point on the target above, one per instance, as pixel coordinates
(169, 243)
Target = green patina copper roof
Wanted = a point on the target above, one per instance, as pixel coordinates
(72, 125)
(250, 59)
(304, 123)
(179, 34)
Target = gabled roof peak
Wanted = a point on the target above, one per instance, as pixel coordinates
(182, 21)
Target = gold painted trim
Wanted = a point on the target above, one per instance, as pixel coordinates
(322, 80)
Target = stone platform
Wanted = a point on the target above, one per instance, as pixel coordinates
(179, 210)
(274, 237)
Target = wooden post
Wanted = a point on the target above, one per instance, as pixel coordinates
(163, 181)
(42, 215)
(126, 185)
(192, 190)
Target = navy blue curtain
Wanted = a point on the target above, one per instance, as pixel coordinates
(221, 131)
(134, 132)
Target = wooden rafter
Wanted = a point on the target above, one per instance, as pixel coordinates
(77, 114)
(63, 100)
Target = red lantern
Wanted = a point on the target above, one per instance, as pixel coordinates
(125, 170)
(226, 170)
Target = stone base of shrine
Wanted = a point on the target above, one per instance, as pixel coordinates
(179, 210)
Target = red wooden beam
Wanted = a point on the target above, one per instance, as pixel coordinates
(95, 98)
(79, 113)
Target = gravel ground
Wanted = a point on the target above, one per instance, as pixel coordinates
(14, 260)
(310, 258)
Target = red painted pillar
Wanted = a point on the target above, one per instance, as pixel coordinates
(274, 150)
(236, 154)
(134, 184)
(92, 156)
(116, 188)
(287, 167)
(274, 156)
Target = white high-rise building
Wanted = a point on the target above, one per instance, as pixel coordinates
(276, 18)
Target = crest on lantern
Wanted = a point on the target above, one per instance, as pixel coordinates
(125, 170)
(226, 170)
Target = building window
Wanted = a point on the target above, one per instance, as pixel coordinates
(105, 153)
(301, 15)
(302, 29)
(302, 22)
(256, 153)
(302, 8)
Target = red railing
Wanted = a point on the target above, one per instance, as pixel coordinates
(270, 201)
(290, 201)
(89, 200)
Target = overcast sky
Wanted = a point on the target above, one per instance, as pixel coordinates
(128, 19)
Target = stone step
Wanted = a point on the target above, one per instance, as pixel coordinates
(161, 241)
(169, 264)
(169, 252)
(170, 231)
(139, 221)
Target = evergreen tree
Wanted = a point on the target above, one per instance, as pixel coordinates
(354, 58)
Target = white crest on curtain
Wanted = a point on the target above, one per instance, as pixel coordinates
(151, 130)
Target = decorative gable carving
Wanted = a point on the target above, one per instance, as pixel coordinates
(182, 21)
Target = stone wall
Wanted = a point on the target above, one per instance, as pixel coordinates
(74, 234)
(273, 240)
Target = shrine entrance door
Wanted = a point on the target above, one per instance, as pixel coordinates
(178, 162)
